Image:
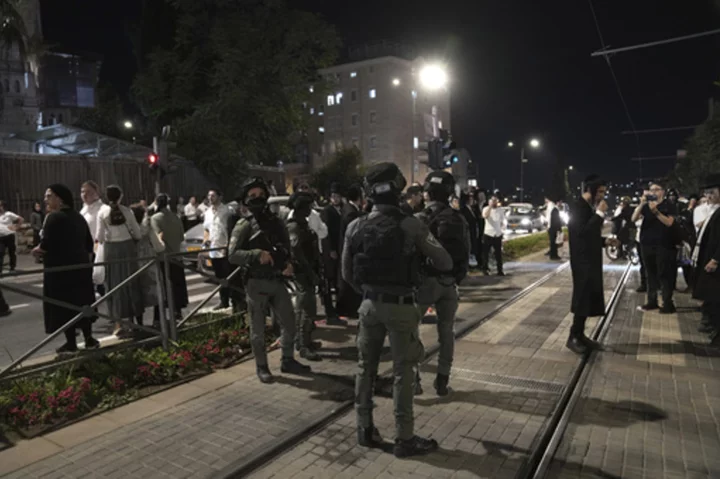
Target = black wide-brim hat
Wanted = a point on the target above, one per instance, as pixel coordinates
(712, 181)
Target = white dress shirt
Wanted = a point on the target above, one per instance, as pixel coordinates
(107, 233)
(90, 213)
(494, 221)
(7, 219)
(217, 227)
(701, 214)
(191, 212)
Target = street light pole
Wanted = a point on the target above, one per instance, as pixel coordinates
(522, 176)
(413, 155)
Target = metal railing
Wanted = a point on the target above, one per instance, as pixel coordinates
(168, 326)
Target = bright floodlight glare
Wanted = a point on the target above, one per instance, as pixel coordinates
(128, 124)
(571, 168)
(534, 143)
(396, 81)
(511, 144)
(433, 77)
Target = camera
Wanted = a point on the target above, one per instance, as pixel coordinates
(651, 197)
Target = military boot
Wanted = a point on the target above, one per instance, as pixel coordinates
(415, 446)
(441, 384)
(369, 437)
(264, 374)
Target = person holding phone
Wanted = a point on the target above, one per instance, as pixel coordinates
(657, 246)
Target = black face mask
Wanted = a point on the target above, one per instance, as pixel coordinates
(256, 205)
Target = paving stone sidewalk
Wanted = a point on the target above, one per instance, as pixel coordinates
(506, 378)
(197, 429)
(651, 407)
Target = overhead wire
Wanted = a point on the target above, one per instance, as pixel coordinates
(615, 79)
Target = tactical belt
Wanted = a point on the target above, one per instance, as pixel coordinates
(389, 298)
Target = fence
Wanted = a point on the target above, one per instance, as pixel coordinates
(168, 327)
(25, 176)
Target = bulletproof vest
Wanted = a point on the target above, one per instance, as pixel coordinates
(268, 235)
(449, 228)
(308, 240)
(380, 255)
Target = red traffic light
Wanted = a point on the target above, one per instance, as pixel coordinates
(153, 159)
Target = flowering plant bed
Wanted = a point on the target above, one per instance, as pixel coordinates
(37, 404)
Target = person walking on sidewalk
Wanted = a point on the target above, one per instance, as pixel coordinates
(260, 245)
(706, 259)
(381, 259)
(658, 248)
(9, 224)
(492, 238)
(439, 288)
(216, 236)
(554, 227)
(586, 260)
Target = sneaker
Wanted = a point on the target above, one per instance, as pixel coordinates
(66, 349)
(291, 366)
(648, 307)
(264, 374)
(92, 343)
(416, 446)
(369, 437)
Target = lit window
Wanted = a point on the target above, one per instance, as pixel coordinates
(312, 89)
(312, 110)
(373, 142)
(338, 98)
(321, 110)
(373, 93)
(353, 74)
(373, 117)
(331, 100)
(353, 95)
(416, 143)
(439, 124)
(321, 129)
(354, 119)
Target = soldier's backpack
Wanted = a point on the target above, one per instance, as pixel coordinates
(450, 229)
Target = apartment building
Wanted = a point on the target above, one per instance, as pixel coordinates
(380, 106)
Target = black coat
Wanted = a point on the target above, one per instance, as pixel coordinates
(555, 221)
(586, 260)
(333, 220)
(475, 233)
(348, 299)
(707, 285)
(66, 241)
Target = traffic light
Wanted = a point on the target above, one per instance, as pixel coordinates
(153, 161)
(451, 159)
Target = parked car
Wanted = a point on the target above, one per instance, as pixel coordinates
(523, 216)
(194, 236)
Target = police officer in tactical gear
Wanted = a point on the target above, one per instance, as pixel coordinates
(439, 288)
(381, 259)
(305, 255)
(260, 245)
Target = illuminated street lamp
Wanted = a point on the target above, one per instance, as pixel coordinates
(396, 82)
(433, 77)
(128, 125)
(534, 143)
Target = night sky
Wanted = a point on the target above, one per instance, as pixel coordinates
(519, 68)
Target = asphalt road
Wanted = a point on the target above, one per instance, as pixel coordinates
(24, 327)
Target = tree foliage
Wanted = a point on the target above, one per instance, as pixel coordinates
(234, 81)
(702, 158)
(345, 169)
(559, 185)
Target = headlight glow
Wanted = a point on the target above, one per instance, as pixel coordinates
(525, 221)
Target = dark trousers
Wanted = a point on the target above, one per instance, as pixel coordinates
(3, 304)
(494, 242)
(578, 326)
(643, 277)
(661, 271)
(7, 243)
(86, 329)
(222, 269)
(553, 245)
(329, 283)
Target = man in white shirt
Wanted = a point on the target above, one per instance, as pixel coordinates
(9, 223)
(192, 215)
(216, 236)
(495, 223)
(90, 194)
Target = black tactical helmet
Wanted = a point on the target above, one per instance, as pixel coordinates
(383, 178)
(249, 184)
(440, 180)
(301, 199)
